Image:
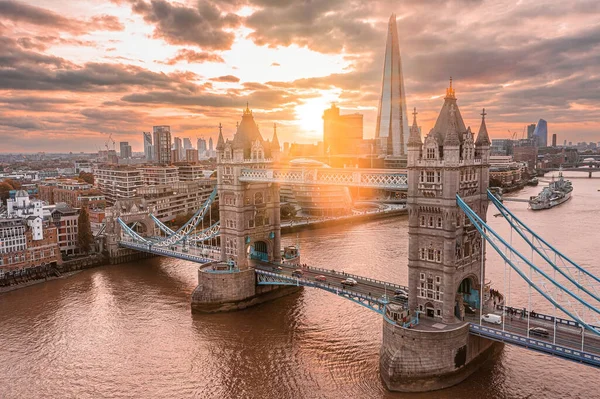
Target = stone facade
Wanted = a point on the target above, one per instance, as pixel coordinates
(420, 361)
(445, 259)
(249, 212)
(445, 253)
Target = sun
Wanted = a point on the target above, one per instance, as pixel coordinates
(309, 115)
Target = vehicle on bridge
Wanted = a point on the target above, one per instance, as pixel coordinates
(349, 281)
(320, 277)
(539, 331)
(277, 269)
(469, 309)
(492, 318)
(297, 273)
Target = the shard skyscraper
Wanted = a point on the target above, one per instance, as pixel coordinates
(392, 122)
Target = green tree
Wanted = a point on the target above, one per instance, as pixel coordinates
(86, 177)
(84, 232)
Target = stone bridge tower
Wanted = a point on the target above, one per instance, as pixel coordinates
(445, 251)
(444, 257)
(249, 212)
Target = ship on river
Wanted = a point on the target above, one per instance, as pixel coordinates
(557, 192)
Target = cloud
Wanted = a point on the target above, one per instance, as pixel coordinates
(226, 78)
(276, 64)
(204, 26)
(18, 12)
(192, 57)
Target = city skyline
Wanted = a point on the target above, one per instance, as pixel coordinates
(74, 72)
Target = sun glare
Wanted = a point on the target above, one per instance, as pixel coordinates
(309, 114)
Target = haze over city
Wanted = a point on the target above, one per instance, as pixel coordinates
(71, 72)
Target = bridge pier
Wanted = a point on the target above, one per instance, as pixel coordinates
(422, 360)
(226, 291)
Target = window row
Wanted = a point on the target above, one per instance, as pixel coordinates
(430, 254)
(430, 177)
(430, 221)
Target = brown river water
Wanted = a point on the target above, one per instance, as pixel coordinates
(127, 331)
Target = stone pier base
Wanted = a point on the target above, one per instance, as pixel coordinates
(226, 292)
(413, 360)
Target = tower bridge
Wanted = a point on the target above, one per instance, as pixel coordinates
(430, 341)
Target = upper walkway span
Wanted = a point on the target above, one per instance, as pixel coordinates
(348, 177)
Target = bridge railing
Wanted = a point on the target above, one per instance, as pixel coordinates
(541, 316)
(535, 344)
(361, 298)
(166, 252)
(346, 275)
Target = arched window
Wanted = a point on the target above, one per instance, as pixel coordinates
(258, 198)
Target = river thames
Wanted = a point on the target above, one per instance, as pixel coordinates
(127, 330)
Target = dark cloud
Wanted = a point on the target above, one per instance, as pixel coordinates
(107, 22)
(226, 78)
(193, 57)
(203, 26)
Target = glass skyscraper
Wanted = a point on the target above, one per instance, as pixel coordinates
(540, 134)
(392, 122)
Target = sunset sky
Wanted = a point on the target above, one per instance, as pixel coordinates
(73, 71)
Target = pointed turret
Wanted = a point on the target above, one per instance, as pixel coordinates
(275, 141)
(220, 141)
(483, 139)
(452, 135)
(415, 135)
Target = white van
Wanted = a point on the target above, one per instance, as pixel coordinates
(492, 318)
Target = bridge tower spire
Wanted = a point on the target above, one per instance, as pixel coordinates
(445, 258)
(249, 212)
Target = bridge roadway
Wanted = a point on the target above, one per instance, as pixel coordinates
(376, 289)
(567, 345)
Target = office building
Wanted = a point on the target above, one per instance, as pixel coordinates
(148, 148)
(191, 155)
(342, 134)
(66, 220)
(554, 140)
(125, 150)
(162, 144)
(540, 134)
(178, 146)
(392, 123)
(530, 130)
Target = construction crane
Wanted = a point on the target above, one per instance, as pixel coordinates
(108, 140)
(514, 134)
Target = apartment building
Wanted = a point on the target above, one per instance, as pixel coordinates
(157, 175)
(169, 200)
(117, 181)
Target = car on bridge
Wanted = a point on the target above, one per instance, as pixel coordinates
(492, 318)
(277, 269)
(320, 278)
(539, 331)
(349, 281)
(297, 273)
(401, 294)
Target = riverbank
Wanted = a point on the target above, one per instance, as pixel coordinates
(295, 226)
(26, 277)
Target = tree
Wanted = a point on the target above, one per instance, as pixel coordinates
(86, 177)
(84, 231)
(287, 211)
(4, 191)
(495, 182)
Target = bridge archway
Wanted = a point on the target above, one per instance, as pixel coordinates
(467, 295)
(258, 250)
